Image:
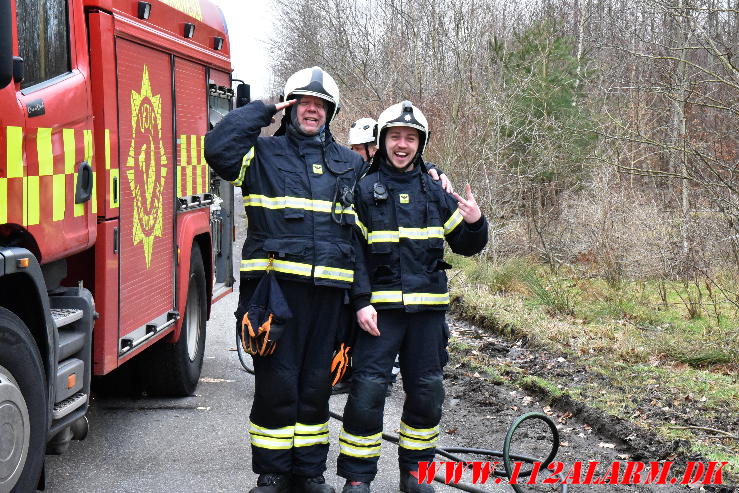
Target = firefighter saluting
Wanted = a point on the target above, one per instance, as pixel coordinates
(297, 188)
(405, 217)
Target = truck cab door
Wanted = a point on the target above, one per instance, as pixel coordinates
(59, 209)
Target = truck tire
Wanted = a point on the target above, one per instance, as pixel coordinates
(174, 369)
(23, 406)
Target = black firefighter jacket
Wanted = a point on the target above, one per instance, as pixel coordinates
(290, 198)
(405, 236)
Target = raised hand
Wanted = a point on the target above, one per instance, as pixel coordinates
(469, 209)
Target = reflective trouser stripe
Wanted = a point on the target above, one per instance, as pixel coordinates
(454, 221)
(275, 438)
(307, 435)
(245, 163)
(418, 438)
(359, 446)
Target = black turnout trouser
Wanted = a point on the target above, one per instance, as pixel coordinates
(288, 424)
(421, 340)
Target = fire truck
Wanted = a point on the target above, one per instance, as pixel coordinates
(114, 238)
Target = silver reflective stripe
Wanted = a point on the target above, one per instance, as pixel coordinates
(425, 298)
(383, 237)
(284, 266)
(417, 438)
(271, 438)
(359, 446)
(334, 273)
(289, 202)
(453, 222)
(386, 297)
(422, 233)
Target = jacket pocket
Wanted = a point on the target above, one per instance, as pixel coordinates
(283, 248)
(294, 193)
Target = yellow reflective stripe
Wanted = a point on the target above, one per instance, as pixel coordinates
(386, 297)
(60, 197)
(453, 222)
(283, 266)
(32, 213)
(348, 448)
(360, 440)
(417, 438)
(361, 226)
(425, 298)
(271, 443)
(183, 165)
(69, 150)
(204, 166)
(302, 441)
(383, 237)
(190, 190)
(311, 429)
(418, 432)
(3, 200)
(358, 452)
(14, 152)
(334, 273)
(45, 152)
(79, 209)
(409, 233)
(245, 162)
(283, 432)
(422, 233)
(288, 202)
(307, 435)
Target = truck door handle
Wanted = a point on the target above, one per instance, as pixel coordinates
(84, 183)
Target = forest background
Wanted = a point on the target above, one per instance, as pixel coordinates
(601, 139)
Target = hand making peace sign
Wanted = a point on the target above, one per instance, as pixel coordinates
(469, 209)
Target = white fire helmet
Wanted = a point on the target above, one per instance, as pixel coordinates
(316, 82)
(403, 114)
(363, 131)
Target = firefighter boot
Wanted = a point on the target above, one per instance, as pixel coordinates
(315, 484)
(272, 483)
(357, 487)
(409, 484)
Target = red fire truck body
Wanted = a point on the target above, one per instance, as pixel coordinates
(114, 238)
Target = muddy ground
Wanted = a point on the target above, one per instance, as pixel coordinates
(480, 407)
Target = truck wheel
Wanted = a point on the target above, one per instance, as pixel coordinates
(23, 406)
(175, 368)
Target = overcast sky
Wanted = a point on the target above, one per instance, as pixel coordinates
(249, 27)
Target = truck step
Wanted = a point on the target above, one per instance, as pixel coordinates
(66, 316)
(70, 343)
(65, 407)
